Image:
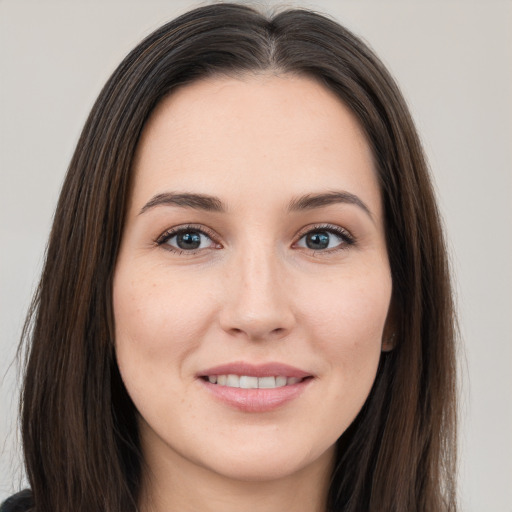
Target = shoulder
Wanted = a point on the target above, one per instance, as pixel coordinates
(19, 502)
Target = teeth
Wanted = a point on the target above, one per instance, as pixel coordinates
(267, 382)
(280, 381)
(250, 382)
(233, 381)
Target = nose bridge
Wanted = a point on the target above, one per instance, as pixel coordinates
(259, 276)
(258, 305)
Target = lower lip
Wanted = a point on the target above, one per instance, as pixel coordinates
(256, 400)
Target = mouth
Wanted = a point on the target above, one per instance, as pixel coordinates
(252, 382)
(255, 388)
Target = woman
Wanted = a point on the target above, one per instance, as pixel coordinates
(246, 300)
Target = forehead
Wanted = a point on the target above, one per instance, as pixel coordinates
(260, 131)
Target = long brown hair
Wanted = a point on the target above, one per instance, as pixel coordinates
(79, 426)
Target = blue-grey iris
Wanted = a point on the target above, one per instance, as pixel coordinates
(188, 240)
(317, 240)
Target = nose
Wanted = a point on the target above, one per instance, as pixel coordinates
(257, 305)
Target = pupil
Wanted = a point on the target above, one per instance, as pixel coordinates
(319, 240)
(188, 240)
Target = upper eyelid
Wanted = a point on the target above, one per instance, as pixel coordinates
(326, 227)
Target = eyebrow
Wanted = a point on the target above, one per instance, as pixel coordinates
(185, 200)
(214, 204)
(312, 201)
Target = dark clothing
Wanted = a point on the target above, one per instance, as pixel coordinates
(19, 502)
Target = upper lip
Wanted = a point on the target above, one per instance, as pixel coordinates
(255, 370)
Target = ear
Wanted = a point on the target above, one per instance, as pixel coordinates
(388, 343)
(389, 334)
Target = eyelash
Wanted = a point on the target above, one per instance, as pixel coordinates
(167, 235)
(347, 238)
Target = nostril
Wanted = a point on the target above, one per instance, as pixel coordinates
(260, 323)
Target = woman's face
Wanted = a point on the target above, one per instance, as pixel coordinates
(253, 255)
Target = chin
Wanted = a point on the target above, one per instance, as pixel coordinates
(269, 463)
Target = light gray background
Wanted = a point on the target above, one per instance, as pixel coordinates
(453, 61)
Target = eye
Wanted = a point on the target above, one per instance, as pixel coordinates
(325, 238)
(187, 239)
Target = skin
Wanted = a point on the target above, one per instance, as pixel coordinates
(252, 292)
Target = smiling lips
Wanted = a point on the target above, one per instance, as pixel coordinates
(251, 388)
(251, 382)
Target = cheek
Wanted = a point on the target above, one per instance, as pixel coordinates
(347, 321)
(349, 333)
(156, 324)
(154, 305)
(353, 309)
